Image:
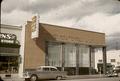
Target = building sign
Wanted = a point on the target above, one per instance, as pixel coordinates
(7, 38)
(35, 26)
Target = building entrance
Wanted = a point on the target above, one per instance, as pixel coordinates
(9, 53)
(9, 64)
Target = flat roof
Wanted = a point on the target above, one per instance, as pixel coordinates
(11, 27)
(70, 35)
(66, 27)
(73, 35)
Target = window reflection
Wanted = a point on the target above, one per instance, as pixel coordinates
(55, 55)
(70, 55)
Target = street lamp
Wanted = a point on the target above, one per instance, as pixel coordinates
(0, 14)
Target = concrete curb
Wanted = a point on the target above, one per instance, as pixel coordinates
(85, 76)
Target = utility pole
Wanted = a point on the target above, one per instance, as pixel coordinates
(0, 14)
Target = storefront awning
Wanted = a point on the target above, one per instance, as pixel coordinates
(9, 45)
(9, 54)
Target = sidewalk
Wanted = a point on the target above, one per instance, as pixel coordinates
(15, 77)
(12, 76)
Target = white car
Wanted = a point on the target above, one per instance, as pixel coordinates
(44, 72)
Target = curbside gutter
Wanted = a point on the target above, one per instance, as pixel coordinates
(85, 76)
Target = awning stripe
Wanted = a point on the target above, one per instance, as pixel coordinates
(9, 54)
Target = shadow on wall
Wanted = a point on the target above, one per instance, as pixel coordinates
(44, 37)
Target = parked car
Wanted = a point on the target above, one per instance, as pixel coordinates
(117, 69)
(44, 72)
(112, 74)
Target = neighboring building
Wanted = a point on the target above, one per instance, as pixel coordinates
(68, 49)
(12, 30)
(9, 48)
(113, 57)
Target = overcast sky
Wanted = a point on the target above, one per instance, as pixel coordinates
(94, 15)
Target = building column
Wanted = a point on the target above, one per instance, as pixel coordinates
(104, 60)
(46, 55)
(77, 59)
(63, 55)
(90, 60)
(22, 51)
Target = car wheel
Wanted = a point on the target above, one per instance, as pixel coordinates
(59, 77)
(116, 76)
(33, 78)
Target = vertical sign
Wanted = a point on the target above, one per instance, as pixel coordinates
(35, 27)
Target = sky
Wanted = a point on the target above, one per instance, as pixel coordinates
(93, 15)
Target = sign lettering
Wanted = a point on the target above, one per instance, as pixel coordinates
(35, 27)
(7, 36)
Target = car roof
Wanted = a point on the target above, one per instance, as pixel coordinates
(47, 67)
(118, 66)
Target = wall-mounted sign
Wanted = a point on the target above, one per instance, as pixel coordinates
(35, 26)
(7, 41)
(7, 38)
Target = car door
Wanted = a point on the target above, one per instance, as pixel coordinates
(44, 73)
(54, 73)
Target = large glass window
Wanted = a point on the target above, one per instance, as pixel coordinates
(83, 56)
(112, 60)
(54, 54)
(70, 55)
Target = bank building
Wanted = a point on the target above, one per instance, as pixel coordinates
(69, 49)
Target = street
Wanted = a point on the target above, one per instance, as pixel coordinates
(94, 79)
(97, 79)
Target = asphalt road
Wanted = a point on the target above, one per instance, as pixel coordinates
(95, 79)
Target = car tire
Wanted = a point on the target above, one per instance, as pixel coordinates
(33, 78)
(59, 77)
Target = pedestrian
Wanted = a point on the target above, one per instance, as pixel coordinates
(1, 79)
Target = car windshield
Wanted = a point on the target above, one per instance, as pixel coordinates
(53, 69)
(117, 66)
(39, 68)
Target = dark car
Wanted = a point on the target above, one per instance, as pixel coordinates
(1, 79)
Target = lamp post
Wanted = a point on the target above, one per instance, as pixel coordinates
(0, 27)
(0, 14)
